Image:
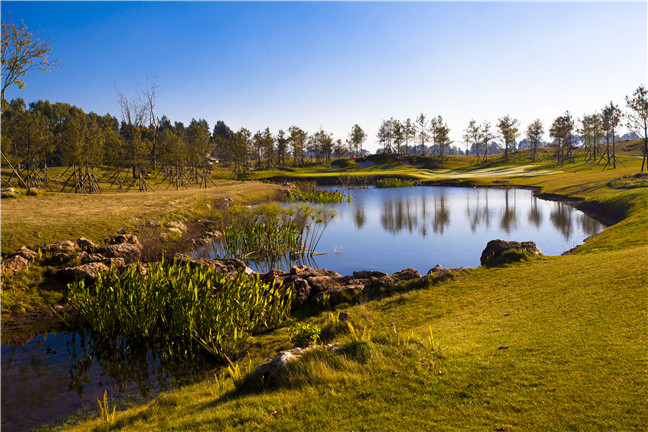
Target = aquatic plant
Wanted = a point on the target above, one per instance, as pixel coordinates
(185, 311)
(319, 196)
(394, 183)
(273, 233)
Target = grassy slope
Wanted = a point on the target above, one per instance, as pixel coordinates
(34, 221)
(557, 343)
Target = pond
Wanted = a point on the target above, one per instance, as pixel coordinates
(419, 227)
(57, 374)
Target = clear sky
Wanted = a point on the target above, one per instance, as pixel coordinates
(333, 64)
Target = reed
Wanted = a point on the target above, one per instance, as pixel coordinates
(274, 233)
(319, 196)
(394, 183)
(184, 311)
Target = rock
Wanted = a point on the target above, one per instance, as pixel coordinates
(94, 257)
(26, 253)
(495, 248)
(88, 272)
(175, 231)
(9, 193)
(63, 258)
(321, 283)
(344, 316)
(272, 275)
(128, 239)
(151, 223)
(86, 245)
(62, 246)
(301, 291)
(368, 274)
(128, 251)
(14, 265)
(307, 272)
(117, 262)
(407, 274)
(223, 203)
(224, 265)
(176, 225)
(435, 270)
(277, 365)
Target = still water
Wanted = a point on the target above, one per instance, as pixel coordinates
(55, 375)
(419, 227)
(58, 374)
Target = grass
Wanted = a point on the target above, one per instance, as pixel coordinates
(551, 343)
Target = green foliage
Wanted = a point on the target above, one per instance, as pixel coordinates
(272, 232)
(509, 256)
(33, 192)
(630, 182)
(394, 183)
(303, 335)
(184, 310)
(319, 196)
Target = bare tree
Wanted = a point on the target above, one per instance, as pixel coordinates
(638, 118)
(22, 52)
(148, 99)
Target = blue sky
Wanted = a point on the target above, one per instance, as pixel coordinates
(333, 64)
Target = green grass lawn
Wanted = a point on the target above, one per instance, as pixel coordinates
(551, 344)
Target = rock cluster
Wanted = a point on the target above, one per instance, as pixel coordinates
(314, 285)
(278, 364)
(496, 248)
(227, 266)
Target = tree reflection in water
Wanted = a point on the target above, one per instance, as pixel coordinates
(535, 215)
(359, 214)
(509, 218)
(561, 217)
(477, 209)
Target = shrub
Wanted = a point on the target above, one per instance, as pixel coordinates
(184, 310)
(303, 335)
(394, 183)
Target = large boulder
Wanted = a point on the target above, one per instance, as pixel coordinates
(495, 248)
(128, 239)
(61, 247)
(13, 265)
(26, 253)
(128, 251)
(88, 272)
(407, 274)
(86, 245)
(308, 272)
(301, 291)
(278, 364)
(9, 193)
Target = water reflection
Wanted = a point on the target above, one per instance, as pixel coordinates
(419, 227)
(56, 374)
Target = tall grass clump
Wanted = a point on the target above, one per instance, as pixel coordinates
(394, 183)
(184, 311)
(273, 233)
(319, 196)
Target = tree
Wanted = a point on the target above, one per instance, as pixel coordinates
(197, 138)
(385, 135)
(22, 52)
(298, 139)
(149, 94)
(409, 132)
(472, 136)
(356, 138)
(591, 131)
(282, 147)
(440, 136)
(534, 134)
(508, 128)
(609, 120)
(486, 137)
(399, 136)
(638, 118)
(421, 130)
(561, 132)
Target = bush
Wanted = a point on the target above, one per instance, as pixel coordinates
(394, 183)
(303, 335)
